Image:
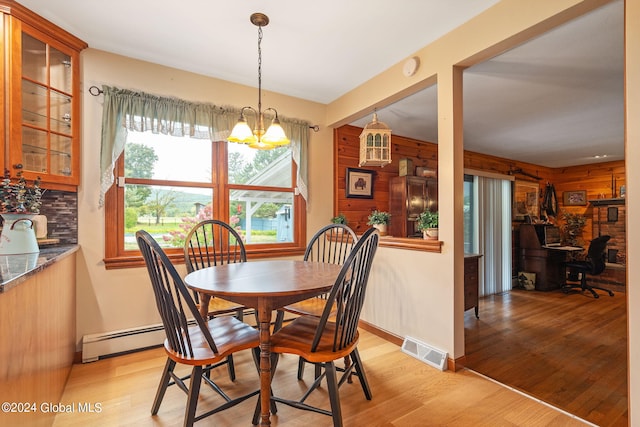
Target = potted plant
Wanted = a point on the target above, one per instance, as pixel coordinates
(18, 197)
(339, 219)
(428, 224)
(379, 220)
(572, 228)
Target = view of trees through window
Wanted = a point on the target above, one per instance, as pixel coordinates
(469, 228)
(169, 187)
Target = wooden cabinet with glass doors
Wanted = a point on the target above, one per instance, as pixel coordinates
(41, 98)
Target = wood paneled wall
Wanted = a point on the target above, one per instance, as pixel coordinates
(595, 179)
(347, 150)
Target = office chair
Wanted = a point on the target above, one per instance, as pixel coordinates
(594, 264)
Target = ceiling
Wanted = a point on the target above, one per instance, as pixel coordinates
(554, 101)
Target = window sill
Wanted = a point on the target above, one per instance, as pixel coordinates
(135, 260)
(411, 243)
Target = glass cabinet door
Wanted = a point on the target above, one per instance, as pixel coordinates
(416, 197)
(47, 134)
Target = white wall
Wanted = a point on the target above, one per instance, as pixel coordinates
(405, 296)
(121, 299)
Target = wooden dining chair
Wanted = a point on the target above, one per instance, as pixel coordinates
(190, 339)
(209, 243)
(334, 335)
(331, 244)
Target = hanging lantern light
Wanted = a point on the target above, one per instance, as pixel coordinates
(375, 144)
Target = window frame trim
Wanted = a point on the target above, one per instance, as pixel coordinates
(116, 257)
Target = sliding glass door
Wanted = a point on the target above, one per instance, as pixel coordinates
(487, 230)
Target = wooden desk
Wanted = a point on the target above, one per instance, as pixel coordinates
(265, 286)
(546, 261)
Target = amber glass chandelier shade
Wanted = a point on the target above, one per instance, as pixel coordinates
(260, 145)
(242, 133)
(275, 134)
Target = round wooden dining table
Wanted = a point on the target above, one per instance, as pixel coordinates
(265, 286)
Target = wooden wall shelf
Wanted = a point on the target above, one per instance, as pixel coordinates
(411, 243)
(608, 202)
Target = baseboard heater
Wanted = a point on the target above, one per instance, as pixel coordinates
(105, 344)
(96, 346)
(426, 353)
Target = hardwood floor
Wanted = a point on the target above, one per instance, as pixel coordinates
(569, 350)
(406, 392)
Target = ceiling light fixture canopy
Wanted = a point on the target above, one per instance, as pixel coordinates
(375, 144)
(258, 138)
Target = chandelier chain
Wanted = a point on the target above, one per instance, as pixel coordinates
(259, 138)
(259, 70)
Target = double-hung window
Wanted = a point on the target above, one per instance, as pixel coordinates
(165, 184)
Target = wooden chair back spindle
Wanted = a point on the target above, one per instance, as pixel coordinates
(175, 303)
(212, 242)
(345, 300)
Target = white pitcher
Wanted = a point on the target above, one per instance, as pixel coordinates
(18, 236)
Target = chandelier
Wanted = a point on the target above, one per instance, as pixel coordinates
(258, 138)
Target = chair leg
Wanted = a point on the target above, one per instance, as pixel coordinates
(194, 392)
(279, 321)
(231, 367)
(275, 357)
(256, 412)
(162, 387)
(592, 288)
(301, 363)
(355, 356)
(583, 285)
(347, 363)
(604, 290)
(334, 398)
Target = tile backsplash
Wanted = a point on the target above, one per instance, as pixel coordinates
(61, 210)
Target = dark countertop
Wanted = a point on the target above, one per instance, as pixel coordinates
(15, 269)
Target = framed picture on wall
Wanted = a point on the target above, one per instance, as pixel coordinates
(359, 183)
(525, 200)
(575, 198)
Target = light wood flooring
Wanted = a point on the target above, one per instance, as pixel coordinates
(406, 392)
(566, 349)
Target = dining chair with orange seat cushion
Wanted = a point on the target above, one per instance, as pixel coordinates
(190, 339)
(210, 243)
(331, 244)
(334, 335)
